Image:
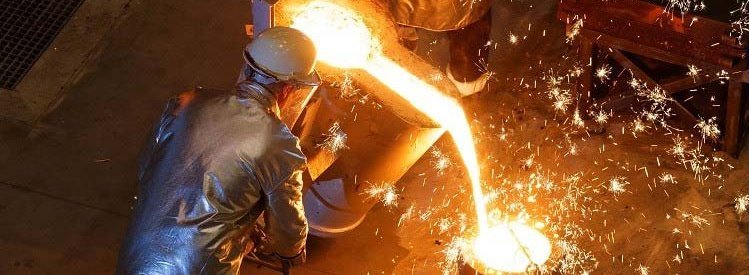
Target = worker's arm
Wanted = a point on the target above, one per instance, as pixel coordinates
(287, 226)
(161, 132)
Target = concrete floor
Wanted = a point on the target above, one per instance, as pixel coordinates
(67, 183)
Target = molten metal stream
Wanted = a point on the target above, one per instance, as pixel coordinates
(344, 41)
(443, 109)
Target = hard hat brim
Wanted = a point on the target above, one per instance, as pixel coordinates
(312, 79)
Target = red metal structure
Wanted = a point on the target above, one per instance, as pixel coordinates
(657, 46)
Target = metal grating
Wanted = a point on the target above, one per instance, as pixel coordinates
(27, 27)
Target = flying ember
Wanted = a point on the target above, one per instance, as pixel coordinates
(344, 41)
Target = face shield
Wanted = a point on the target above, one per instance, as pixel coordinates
(295, 102)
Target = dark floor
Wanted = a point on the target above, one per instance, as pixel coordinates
(67, 184)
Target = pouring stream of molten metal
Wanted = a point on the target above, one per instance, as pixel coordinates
(443, 109)
(343, 40)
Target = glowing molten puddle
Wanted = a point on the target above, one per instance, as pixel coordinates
(344, 41)
(511, 247)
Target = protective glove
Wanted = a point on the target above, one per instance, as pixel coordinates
(259, 240)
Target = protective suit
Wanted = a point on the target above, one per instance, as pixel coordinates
(438, 15)
(214, 162)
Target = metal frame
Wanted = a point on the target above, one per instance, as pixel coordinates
(641, 28)
(28, 28)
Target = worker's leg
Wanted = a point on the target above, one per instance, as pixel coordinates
(468, 51)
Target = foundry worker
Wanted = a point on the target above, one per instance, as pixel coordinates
(215, 161)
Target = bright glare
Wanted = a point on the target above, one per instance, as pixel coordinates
(344, 43)
(511, 247)
(343, 40)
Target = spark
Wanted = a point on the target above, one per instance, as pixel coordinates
(741, 204)
(677, 258)
(390, 198)
(684, 6)
(572, 148)
(572, 231)
(513, 39)
(617, 185)
(694, 72)
(679, 148)
(604, 72)
(643, 270)
(562, 101)
(723, 75)
(656, 95)
(574, 30)
(577, 120)
(659, 110)
(708, 128)
(384, 192)
(407, 215)
(444, 224)
(335, 139)
(574, 259)
(638, 126)
(483, 67)
(453, 255)
(667, 178)
(601, 117)
(440, 161)
(562, 98)
(528, 162)
(635, 83)
(425, 215)
(656, 115)
(576, 71)
(692, 218)
(740, 26)
(347, 86)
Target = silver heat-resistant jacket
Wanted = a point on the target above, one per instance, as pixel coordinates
(438, 15)
(214, 162)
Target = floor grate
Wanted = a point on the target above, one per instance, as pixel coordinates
(27, 27)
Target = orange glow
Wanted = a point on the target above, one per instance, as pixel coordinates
(344, 41)
(509, 247)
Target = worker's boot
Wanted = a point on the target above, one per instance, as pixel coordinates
(469, 56)
(465, 87)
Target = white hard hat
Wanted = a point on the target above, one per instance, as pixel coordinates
(285, 54)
